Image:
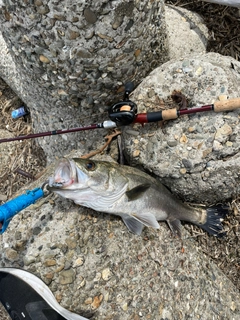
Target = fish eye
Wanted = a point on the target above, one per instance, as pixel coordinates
(90, 165)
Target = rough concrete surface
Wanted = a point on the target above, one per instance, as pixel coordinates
(95, 266)
(196, 156)
(89, 260)
(183, 24)
(74, 58)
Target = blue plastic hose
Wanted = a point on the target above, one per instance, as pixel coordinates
(9, 209)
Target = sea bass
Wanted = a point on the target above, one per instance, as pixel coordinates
(139, 199)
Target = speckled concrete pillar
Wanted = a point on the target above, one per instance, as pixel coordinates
(74, 56)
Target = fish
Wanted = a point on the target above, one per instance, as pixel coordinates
(125, 191)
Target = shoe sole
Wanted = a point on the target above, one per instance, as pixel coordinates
(27, 304)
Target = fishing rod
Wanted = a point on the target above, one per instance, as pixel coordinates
(125, 113)
(171, 114)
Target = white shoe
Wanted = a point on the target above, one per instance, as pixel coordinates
(26, 297)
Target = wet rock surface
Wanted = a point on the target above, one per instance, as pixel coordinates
(196, 156)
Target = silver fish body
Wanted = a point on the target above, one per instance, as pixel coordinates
(135, 196)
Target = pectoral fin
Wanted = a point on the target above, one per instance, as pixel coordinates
(147, 219)
(133, 225)
(175, 226)
(137, 192)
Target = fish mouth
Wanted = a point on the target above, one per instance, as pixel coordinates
(66, 175)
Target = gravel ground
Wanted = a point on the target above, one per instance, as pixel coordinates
(28, 157)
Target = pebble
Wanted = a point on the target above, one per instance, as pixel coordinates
(132, 132)
(191, 129)
(88, 300)
(104, 36)
(183, 170)
(106, 274)
(11, 254)
(206, 152)
(78, 262)
(97, 300)
(44, 9)
(199, 71)
(82, 284)
(44, 59)
(66, 276)
(117, 22)
(183, 139)
(136, 153)
(72, 34)
(71, 243)
(187, 163)
(36, 230)
(125, 306)
(50, 262)
(3, 197)
(229, 144)
(29, 260)
(217, 146)
(90, 16)
(38, 3)
(225, 130)
(172, 143)
(89, 34)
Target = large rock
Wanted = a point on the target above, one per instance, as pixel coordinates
(185, 25)
(94, 265)
(73, 58)
(196, 156)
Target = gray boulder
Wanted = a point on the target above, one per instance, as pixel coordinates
(183, 24)
(73, 58)
(196, 156)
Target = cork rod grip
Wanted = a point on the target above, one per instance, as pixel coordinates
(227, 105)
(169, 114)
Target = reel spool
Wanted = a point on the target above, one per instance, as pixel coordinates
(124, 113)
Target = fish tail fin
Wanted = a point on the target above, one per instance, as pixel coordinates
(215, 216)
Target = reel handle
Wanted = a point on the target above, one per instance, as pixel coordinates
(124, 113)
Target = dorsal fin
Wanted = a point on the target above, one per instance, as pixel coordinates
(137, 191)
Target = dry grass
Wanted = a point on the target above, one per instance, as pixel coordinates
(27, 156)
(223, 24)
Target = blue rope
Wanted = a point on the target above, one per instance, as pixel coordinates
(14, 206)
